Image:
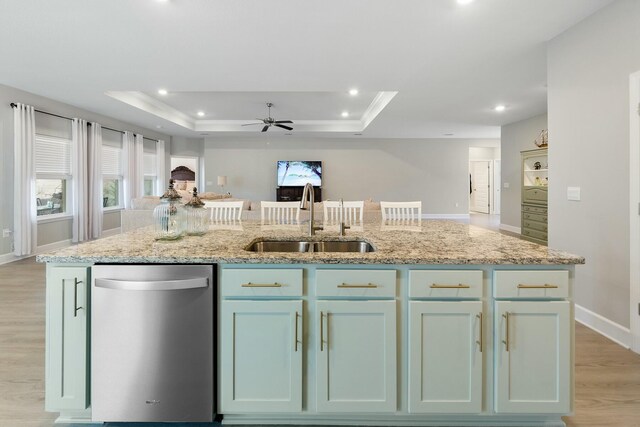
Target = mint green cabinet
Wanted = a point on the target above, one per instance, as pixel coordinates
(67, 338)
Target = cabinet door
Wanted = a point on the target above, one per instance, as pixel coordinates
(67, 352)
(356, 356)
(445, 356)
(261, 356)
(533, 357)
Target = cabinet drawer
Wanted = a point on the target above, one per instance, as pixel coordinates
(259, 282)
(534, 216)
(534, 225)
(356, 283)
(531, 284)
(534, 209)
(534, 194)
(445, 284)
(536, 234)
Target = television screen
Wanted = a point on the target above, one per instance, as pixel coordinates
(297, 174)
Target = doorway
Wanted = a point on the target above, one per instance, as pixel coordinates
(185, 170)
(480, 186)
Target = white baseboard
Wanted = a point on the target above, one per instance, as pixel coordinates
(10, 257)
(510, 228)
(608, 328)
(445, 216)
(111, 232)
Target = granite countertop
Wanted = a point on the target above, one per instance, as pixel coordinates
(427, 242)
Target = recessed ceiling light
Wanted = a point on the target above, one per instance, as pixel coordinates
(353, 92)
(162, 91)
(158, 126)
(345, 114)
(500, 108)
(200, 113)
(464, 1)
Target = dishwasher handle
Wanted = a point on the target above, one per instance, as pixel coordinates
(153, 285)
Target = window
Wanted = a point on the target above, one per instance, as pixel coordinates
(150, 167)
(112, 170)
(150, 174)
(53, 175)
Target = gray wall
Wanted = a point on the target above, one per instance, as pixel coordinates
(48, 232)
(435, 171)
(588, 95)
(516, 137)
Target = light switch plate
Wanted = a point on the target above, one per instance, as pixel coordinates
(506, 185)
(573, 193)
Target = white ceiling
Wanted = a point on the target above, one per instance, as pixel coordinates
(450, 64)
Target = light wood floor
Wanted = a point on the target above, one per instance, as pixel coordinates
(607, 375)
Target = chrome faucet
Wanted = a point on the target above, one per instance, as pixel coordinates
(343, 227)
(307, 193)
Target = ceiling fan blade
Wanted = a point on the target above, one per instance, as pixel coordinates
(284, 127)
(283, 121)
(250, 124)
(264, 129)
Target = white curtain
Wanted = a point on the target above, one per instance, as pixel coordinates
(94, 190)
(160, 164)
(80, 205)
(133, 166)
(25, 222)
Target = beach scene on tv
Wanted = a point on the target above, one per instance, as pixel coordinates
(299, 173)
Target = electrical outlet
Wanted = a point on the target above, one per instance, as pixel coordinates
(6, 232)
(506, 185)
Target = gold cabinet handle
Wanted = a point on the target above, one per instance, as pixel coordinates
(443, 286)
(295, 345)
(506, 335)
(321, 331)
(545, 286)
(76, 282)
(368, 286)
(480, 341)
(261, 285)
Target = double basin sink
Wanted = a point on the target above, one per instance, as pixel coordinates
(360, 246)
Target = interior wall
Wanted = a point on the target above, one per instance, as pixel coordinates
(516, 137)
(588, 96)
(434, 171)
(60, 230)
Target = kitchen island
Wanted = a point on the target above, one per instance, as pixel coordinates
(442, 324)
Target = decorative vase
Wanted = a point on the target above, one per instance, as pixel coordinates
(169, 217)
(197, 221)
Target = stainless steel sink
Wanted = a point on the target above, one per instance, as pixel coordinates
(306, 246)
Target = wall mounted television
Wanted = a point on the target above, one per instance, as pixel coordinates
(297, 173)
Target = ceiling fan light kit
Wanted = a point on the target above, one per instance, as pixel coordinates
(269, 121)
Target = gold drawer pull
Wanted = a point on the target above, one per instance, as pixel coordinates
(480, 341)
(505, 341)
(261, 285)
(367, 286)
(545, 286)
(440, 286)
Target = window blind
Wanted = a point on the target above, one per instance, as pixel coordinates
(150, 164)
(53, 155)
(111, 160)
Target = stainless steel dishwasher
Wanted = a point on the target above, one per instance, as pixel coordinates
(152, 343)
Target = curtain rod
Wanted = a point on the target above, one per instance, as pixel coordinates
(14, 105)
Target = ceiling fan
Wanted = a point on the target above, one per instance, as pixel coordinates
(269, 121)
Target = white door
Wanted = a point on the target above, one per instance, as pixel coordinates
(445, 356)
(497, 171)
(533, 357)
(480, 186)
(356, 356)
(261, 365)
